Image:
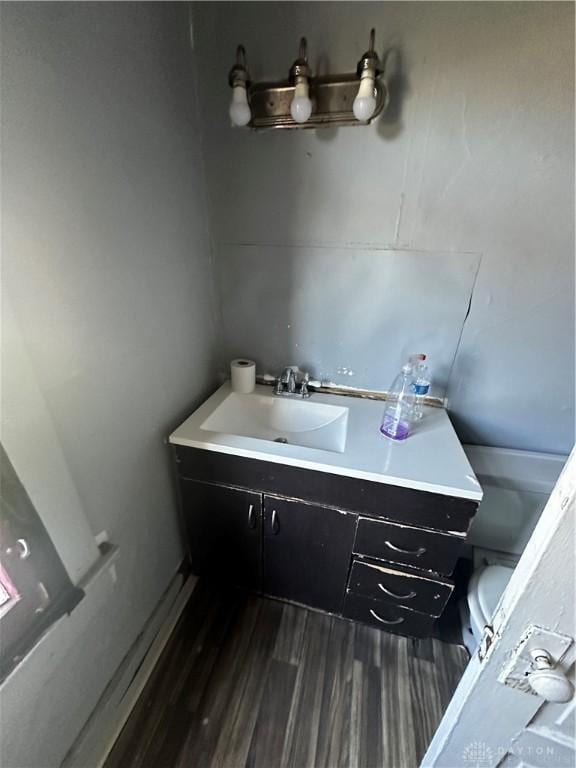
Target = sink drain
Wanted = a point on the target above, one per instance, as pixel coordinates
(280, 440)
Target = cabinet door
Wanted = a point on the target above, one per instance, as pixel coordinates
(307, 552)
(224, 533)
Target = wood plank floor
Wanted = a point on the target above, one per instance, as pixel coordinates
(255, 683)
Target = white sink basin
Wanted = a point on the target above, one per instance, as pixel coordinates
(282, 420)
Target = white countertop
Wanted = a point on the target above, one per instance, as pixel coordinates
(431, 459)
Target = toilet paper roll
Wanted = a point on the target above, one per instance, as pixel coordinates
(243, 375)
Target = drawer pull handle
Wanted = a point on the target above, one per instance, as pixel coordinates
(251, 517)
(399, 620)
(275, 525)
(417, 552)
(395, 595)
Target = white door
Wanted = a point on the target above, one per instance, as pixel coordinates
(495, 718)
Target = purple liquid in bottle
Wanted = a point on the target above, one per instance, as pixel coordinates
(395, 429)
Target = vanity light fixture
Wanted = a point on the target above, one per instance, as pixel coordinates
(301, 106)
(368, 69)
(303, 101)
(239, 81)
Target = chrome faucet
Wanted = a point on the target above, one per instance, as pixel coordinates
(288, 379)
(292, 381)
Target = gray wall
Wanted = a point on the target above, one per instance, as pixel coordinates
(106, 264)
(353, 328)
(475, 155)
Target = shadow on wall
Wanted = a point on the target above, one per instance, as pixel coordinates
(390, 124)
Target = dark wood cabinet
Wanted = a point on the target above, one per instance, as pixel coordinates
(365, 550)
(224, 533)
(306, 552)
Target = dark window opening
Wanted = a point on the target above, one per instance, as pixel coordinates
(35, 589)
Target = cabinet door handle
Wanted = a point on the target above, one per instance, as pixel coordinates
(251, 517)
(274, 524)
(395, 595)
(399, 620)
(416, 552)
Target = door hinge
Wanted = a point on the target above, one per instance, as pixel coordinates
(486, 641)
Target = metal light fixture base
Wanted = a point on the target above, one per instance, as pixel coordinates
(332, 97)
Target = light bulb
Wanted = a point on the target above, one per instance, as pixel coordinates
(301, 106)
(365, 102)
(239, 108)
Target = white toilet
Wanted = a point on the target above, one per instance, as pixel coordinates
(516, 487)
(486, 587)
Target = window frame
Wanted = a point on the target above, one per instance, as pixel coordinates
(32, 574)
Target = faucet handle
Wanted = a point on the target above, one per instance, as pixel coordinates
(288, 379)
(287, 372)
(304, 385)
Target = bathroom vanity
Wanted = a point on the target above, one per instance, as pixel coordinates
(335, 516)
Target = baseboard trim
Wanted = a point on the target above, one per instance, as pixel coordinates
(102, 729)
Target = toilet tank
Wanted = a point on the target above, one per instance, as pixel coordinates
(516, 487)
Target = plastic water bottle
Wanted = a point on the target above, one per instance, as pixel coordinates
(421, 384)
(399, 412)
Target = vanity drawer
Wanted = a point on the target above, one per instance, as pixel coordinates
(391, 618)
(427, 550)
(408, 588)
